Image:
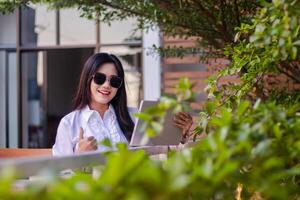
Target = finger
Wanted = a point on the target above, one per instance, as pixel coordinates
(93, 142)
(91, 138)
(186, 125)
(95, 147)
(179, 116)
(81, 133)
(188, 116)
(179, 121)
(184, 116)
(182, 113)
(179, 125)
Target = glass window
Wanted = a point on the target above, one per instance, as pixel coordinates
(131, 60)
(75, 29)
(38, 25)
(119, 31)
(8, 29)
(32, 64)
(13, 96)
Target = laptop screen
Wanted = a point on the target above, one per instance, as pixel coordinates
(170, 135)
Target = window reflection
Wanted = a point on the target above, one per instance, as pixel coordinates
(75, 29)
(32, 62)
(13, 96)
(38, 25)
(8, 31)
(119, 32)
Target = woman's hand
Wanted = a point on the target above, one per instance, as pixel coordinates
(183, 121)
(86, 144)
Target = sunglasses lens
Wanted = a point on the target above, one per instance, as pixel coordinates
(99, 78)
(115, 81)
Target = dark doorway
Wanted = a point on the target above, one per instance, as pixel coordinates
(61, 72)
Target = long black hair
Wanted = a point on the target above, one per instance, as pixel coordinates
(119, 102)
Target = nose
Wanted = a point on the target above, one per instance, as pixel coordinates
(106, 83)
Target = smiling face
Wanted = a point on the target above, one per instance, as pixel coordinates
(101, 95)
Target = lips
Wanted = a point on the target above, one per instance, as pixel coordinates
(104, 92)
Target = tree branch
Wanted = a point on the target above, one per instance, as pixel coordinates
(223, 20)
(123, 8)
(237, 15)
(220, 29)
(282, 66)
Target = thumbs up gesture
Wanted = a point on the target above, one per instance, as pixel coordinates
(86, 144)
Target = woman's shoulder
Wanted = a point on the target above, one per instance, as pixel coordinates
(70, 117)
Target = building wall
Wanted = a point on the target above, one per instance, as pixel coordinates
(198, 71)
(190, 66)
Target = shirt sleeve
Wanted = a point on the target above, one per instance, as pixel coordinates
(63, 142)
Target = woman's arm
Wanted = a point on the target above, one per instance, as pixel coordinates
(63, 142)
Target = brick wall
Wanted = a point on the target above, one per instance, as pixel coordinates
(192, 67)
(198, 71)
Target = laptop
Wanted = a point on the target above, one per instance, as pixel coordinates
(170, 135)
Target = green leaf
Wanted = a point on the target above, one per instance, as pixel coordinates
(143, 116)
(157, 127)
(296, 43)
(294, 52)
(243, 106)
(151, 132)
(277, 131)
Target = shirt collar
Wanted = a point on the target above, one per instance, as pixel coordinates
(87, 112)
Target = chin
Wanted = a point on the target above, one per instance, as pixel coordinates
(103, 101)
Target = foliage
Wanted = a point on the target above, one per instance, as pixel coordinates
(213, 21)
(264, 139)
(268, 45)
(257, 146)
(253, 144)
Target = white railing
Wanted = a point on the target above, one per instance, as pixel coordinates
(30, 166)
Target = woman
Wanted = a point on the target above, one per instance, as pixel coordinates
(100, 109)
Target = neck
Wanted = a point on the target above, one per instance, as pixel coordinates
(100, 108)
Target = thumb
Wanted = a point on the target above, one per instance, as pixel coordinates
(81, 133)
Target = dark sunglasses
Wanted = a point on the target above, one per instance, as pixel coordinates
(114, 81)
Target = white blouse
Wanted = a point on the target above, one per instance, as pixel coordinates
(92, 124)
